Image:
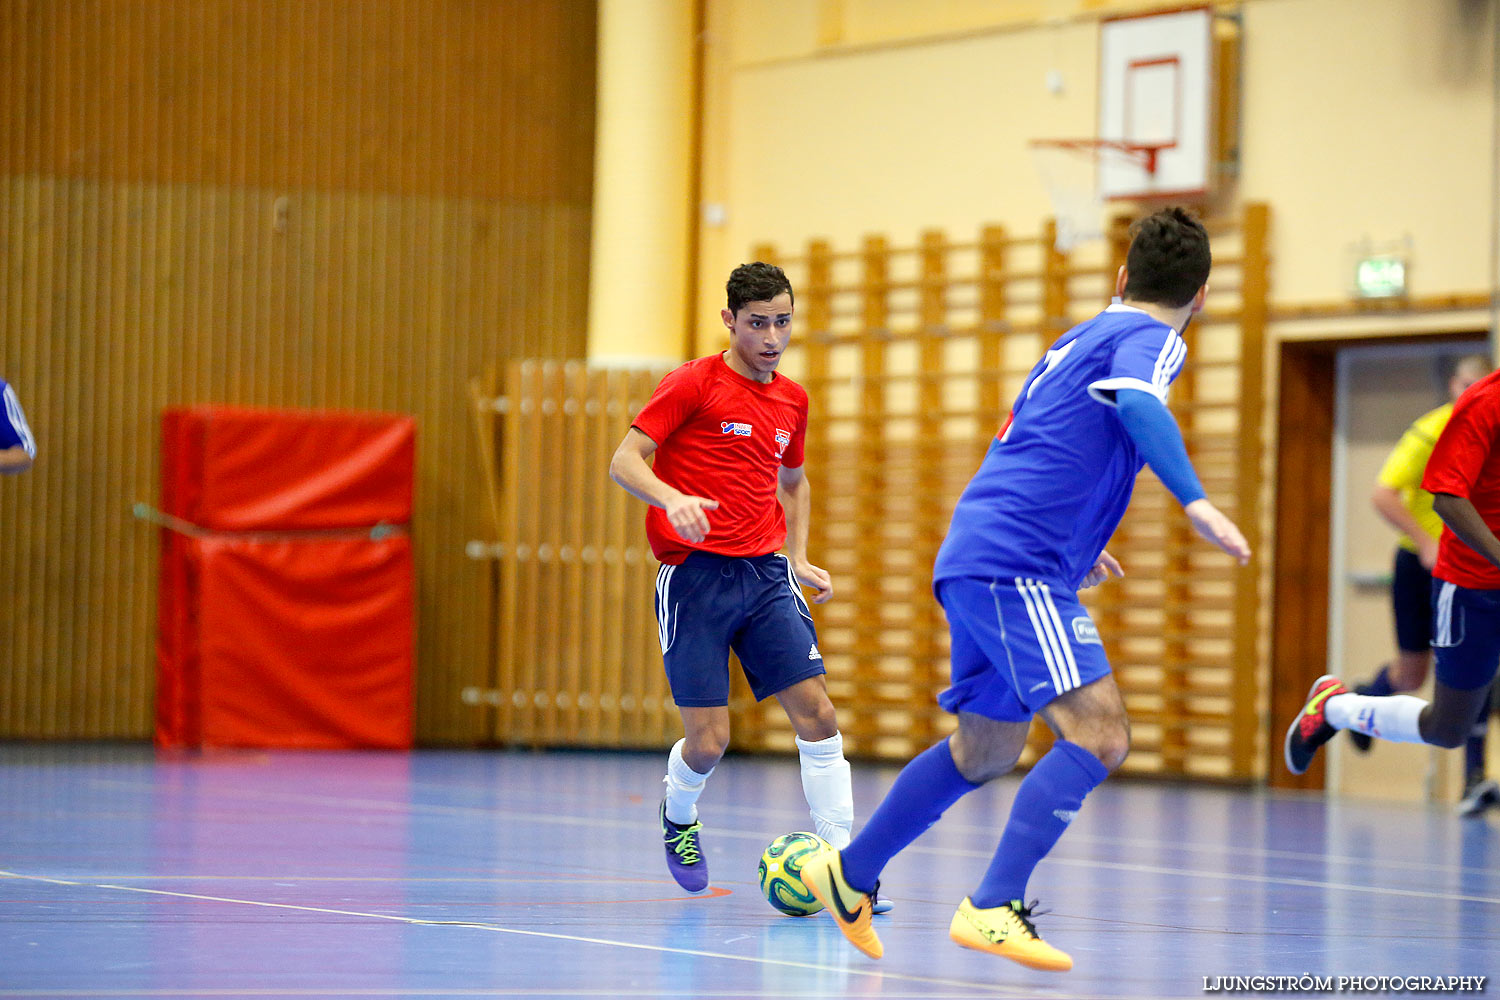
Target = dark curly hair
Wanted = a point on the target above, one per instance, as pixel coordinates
(1168, 260)
(757, 282)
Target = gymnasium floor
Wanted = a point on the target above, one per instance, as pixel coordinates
(461, 874)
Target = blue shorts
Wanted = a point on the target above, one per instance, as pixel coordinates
(711, 604)
(1017, 644)
(1465, 635)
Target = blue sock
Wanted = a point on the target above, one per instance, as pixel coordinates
(1049, 796)
(924, 789)
(1381, 685)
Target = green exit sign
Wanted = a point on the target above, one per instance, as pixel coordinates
(1380, 277)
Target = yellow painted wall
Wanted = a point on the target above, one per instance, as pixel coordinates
(1360, 120)
(1371, 119)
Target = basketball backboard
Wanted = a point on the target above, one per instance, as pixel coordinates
(1156, 84)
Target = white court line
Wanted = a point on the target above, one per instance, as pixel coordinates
(1188, 873)
(1265, 853)
(988, 988)
(657, 994)
(762, 813)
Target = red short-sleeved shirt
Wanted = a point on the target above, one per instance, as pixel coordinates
(725, 437)
(1466, 463)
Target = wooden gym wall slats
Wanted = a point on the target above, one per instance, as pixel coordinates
(577, 660)
(279, 203)
(911, 356)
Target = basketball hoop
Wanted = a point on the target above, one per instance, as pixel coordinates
(1070, 169)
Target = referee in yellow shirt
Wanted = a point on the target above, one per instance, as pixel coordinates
(1401, 501)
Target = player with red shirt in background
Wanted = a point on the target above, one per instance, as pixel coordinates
(727, 490)
(1463, 475)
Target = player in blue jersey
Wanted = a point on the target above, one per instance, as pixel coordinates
(1028, 532)
(17, 446)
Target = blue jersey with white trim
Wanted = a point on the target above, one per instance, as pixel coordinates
(1057, 480)
(13, 428)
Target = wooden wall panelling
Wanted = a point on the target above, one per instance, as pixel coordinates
(274, 205)
(624, 522)
(571, 617)
(621, 528)
(993, 310)
(930, 513)
(484, 395)
(817, 349)
(1250, 485)
(580, 658)
(549, 476)
(483, 390)
(593, 623)
(528, 487)
(869, 550)
(507, 669)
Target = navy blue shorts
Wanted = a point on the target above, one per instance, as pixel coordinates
(1411, 599)
(1017, 644)
(711, 604)
(1465, 635)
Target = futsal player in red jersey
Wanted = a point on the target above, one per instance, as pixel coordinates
(725, 434)
(1463, 475)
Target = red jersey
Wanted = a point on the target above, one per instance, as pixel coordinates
(1466, 463)
(723, 436)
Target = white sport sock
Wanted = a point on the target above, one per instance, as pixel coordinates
(684, 785)
(1395, 717)
(826, 784)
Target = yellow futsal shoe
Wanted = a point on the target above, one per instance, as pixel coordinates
(823, 874)
(1006, 931)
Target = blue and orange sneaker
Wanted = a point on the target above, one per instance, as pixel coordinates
(1310, 729)
(684, 853)
(823, 874)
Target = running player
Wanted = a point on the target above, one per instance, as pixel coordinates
(17, 446)
(726, 490)
(1027, 533)
(1463, 476)
(1399, 498)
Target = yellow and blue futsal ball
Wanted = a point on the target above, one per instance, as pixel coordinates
(781, 873)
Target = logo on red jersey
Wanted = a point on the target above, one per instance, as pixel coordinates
(783, 438)
(738, 430)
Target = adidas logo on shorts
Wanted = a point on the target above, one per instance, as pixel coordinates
(813, 654)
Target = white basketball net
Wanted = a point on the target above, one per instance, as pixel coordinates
(1071, 176)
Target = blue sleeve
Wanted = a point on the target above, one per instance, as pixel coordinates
(13, 428)
(1155, 433)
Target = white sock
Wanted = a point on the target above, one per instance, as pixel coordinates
(826, 784)
(684, 785)
(1395, 717)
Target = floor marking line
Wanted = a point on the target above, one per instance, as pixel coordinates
(989, 988)
(949, 852)
(654, 994)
